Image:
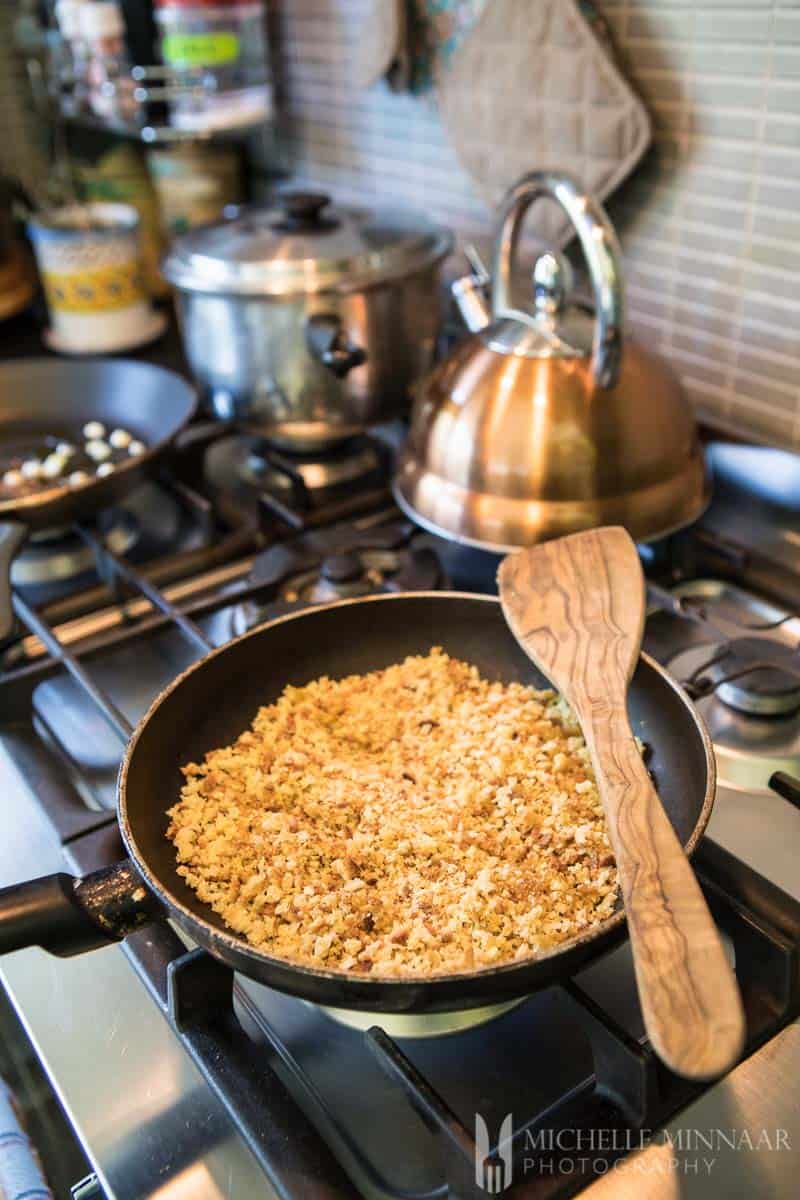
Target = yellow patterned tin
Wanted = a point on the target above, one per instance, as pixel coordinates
(96, 290)
(89, 261)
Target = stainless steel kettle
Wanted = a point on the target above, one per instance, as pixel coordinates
(546, 419)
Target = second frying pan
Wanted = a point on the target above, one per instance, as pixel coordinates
(43, 399)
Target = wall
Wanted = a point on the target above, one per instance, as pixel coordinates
(710, 225)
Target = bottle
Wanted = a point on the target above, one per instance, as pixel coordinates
(110, 86)
(74, 63)
(194, 184)
(217, 50)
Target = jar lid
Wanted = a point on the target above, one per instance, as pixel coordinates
(68, 16)
(102, 18)
(303, 245)
(97, 219)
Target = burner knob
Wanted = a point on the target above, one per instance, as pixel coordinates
(341, 568)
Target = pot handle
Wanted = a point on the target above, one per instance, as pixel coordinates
(600, 248)
(12, 535)
(327, 341)
(68, 916)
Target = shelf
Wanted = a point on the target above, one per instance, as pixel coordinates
(149, 91)
(156, 134)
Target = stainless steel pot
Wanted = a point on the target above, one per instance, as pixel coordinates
(309, 322)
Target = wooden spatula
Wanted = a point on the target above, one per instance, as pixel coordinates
(577, 608)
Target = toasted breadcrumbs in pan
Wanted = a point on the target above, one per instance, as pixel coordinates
(418, 820)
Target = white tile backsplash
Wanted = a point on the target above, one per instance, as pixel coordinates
(710, 225)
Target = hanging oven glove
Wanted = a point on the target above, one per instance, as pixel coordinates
(436, 30)
(383, 46)
(532, 87)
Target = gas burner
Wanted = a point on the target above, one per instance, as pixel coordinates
(321, 472)
(253, 472)
(55, 556)
(736, 654)
(337, 563)
(53, 560)
(749, 744)
(341, 575)
(420, 1025)
(758, 676)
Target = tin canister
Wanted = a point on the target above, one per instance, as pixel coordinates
(90, 264)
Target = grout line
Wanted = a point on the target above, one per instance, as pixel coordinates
(747, 246)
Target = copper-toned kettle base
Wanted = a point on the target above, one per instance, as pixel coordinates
(501, 523)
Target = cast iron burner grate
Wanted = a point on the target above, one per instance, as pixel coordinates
(299, 491)
(338, 563)
(155, 520)
(169, 529)
(325, 1108)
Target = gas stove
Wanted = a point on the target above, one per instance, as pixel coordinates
(205, 1084)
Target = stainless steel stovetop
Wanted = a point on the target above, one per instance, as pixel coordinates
(154, 1125)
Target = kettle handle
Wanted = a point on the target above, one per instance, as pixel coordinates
(600, 248)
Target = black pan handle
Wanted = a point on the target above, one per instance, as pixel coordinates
(787, 786)
(68, 916)
(12, 535)
(201, 432)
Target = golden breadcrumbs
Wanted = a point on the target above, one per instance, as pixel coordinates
(418, 820)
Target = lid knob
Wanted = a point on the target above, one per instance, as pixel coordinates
(303, 210)
(552, 283)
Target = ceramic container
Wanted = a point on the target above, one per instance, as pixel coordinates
(89, 261)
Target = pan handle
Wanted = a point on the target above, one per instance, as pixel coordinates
(68, 916)
(12, 535)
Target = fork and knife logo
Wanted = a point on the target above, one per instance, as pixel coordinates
(493, 1171)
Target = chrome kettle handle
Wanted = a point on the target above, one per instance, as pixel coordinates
(600, 248)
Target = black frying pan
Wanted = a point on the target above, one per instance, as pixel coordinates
(216, 699)
(44, 398)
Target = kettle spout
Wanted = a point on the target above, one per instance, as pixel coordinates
(469, 293)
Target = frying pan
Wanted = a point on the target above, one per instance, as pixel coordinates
(215, 700)
(44, 398)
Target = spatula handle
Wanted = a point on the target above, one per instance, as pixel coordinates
(690, 1002)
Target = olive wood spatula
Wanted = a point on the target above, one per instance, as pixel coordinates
(577, 607)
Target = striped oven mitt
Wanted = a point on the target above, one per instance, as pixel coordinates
(533, 86)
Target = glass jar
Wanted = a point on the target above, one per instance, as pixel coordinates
(219, 54)
(74, 63)
(110, 86)
(194, 184)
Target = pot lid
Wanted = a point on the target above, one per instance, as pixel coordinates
(303, 244)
